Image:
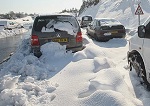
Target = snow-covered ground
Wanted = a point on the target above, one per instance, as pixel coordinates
(26, 22)
(96, 76)
(122, 10)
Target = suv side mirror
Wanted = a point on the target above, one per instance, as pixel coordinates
(141, 31)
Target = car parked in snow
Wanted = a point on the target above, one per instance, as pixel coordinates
(63, 29)
(7, 24)
(85, 21)
(139, 52)
(104, 29)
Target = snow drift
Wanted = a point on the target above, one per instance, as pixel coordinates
(58, 78)
(122, 10)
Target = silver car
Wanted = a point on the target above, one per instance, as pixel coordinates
(104, 29)
(63, 29)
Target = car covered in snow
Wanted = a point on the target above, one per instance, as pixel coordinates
(63, 29)
(139, 52)
(85, 20)
(104, 29)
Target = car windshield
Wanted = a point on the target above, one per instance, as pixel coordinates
(55, 23)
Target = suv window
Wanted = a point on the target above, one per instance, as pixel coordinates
(54, 22)
(87, 18)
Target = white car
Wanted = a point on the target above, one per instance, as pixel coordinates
(139, 52)
(7, 24)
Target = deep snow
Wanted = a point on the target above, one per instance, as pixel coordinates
(95, 76)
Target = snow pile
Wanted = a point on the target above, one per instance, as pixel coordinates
(7, 33)
(18, 30)
(25, 20)
(122, 10)
(58, 78)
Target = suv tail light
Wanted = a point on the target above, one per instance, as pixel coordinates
(35, 40)
(79, 37)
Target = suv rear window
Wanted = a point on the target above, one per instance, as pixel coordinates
(87, 18)
(55, 23)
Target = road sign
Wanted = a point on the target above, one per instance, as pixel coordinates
(139, 10)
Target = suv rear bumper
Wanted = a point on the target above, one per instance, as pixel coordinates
(103, 37)
(75, 49)
(36, 50)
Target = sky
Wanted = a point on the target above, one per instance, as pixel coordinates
(38, 6)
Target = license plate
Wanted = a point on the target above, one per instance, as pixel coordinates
(114, 32)
(107, 34)
(60, 40)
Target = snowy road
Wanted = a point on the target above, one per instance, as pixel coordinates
(8, 45)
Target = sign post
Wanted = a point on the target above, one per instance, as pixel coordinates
(139, 12)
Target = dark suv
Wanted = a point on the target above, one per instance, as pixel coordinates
(63, 29)
(85, 21)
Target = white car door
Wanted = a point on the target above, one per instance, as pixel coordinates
(146, 51)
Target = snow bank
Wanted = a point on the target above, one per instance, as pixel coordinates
(7, 33)
(88, 77)
(25, 20)
(19, 30)
(122, 10)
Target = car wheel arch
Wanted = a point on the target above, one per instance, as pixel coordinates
(96, 37)
(134, 52)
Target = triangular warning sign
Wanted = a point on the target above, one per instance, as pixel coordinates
(139, 11)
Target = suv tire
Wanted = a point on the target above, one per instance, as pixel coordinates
(136, 61)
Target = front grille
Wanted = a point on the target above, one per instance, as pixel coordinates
(105, 27)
